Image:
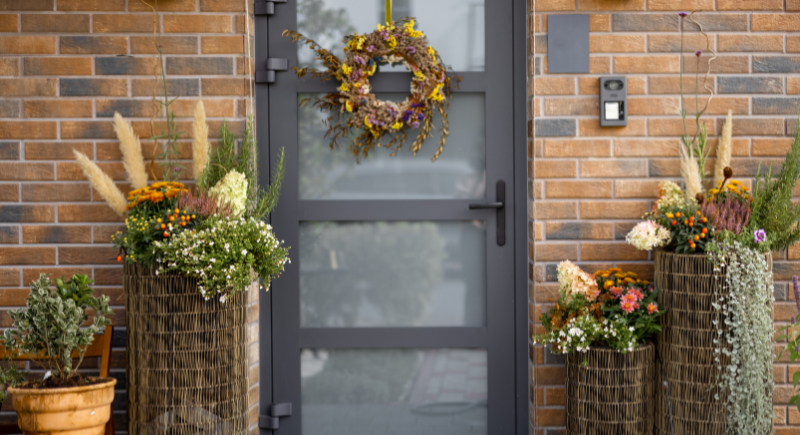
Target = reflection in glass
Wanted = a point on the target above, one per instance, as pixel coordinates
(457, 174)
(392, 274)
(393, 391)
(455, 28)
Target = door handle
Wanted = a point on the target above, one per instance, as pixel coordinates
(500, 206)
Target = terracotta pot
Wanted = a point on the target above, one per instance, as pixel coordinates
(64, 411)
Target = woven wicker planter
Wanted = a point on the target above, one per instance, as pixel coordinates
(613, 394)
(187, 368)
(686, 289)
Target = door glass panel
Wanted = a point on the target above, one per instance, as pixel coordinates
(394, 391)
(455, 28)
(392, 274)
(459, 173)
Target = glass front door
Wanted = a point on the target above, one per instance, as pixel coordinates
(396, 315)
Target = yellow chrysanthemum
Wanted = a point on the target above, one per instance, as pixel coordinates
(436, 94)
(431, 51)
(397, 125)
(418, 75)
(349, 106)
(366, 122)
(344, 87)
(346, 69)
(392, 42)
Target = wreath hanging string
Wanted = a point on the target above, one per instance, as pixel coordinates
(355, 107)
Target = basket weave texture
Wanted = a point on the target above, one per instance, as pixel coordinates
(613, 394)
(686, 289)
(187, 365)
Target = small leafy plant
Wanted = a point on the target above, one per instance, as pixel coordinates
(51, 324)
(10, 376)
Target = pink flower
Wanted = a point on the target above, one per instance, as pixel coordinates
(629, 299)
(628, 307)
(636, 292)
(616, 291)
(652, 308)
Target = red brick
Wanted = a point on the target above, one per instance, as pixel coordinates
(613, 168)
(221, 6)
(556, 210)
(9, 277)
(28, 87)
(222, 44)
(9, 66)
(63, 23)
(27, 130)
(578, 189)
(108, 276)
(554, 86)
(771, 146)
(610, 252)
(577, 148)
(671, 84)
(556, 251)
(616, 43)
(91, 5)
(647, 147)
(750, 43)
(26, 255)
(93, 45)
(163, 6)
(170, 45)
(718, 105)
(110, 151)
(680, 5)
(52, 192)
(87, 255)
(720, 65)
(122, 23)
(93, 87)
(579, 231)
(56, 150)
(13, 213)
(591, 85)
(555, 169)
(592, 128)
(68, 171)
(554, 5)
(25, 171)
(198, 24)
(646, 64)
(750, 5)
(87, 130)
(635, 188)
(571, 107)
(87, 213)
(613, 209)
(757, 127)
(103, 233)
(605, 5)
(673, 43)
(654, 106)
(58, 109)
(56, 234)
(776, 22)
(224, 87)
(9, 23)
(27, 44)
(9, 192)
(32, 273)
(675, 126)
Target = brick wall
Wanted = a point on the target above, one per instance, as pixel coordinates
(589, 185)
(65, 67)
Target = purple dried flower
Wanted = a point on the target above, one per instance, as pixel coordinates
(176, 169)
(360, 60)
(760, 235)
(407, 116)
(415, 124)
(698, 53)
(411, 49)
(391, 110)
(421, 116)
(385, 34)
(682, 14)
(370, 49)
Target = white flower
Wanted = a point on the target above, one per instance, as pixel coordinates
(222, 299)
(647, 235)
(244, 251)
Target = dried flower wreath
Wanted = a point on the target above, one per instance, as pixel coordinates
(354, 106)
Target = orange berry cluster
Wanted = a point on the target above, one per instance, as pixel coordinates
(176, 218)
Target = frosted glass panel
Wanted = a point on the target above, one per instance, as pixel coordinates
(455, 28)
(392, 274)
(459, 173)
(394, 392)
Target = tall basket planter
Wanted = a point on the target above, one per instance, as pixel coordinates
(187, 365)
(686, 290)
(612, 394)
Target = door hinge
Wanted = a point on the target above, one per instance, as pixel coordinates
(265, 8)
(274, 412)
(273, 64)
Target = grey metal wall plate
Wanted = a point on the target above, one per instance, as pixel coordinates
(613, 101)
(567, 44)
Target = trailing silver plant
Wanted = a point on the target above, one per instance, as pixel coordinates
(744, 301)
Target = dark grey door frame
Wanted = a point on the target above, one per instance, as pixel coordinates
(282, 374)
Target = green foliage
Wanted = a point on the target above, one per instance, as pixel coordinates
(772, 209)
(147, 225)
(51, 324)
(223, 253)
(244, 159)
(791, 333)
(743, 323)
(10, 376)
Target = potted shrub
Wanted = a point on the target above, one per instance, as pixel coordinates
(603, 324)
(51, 328)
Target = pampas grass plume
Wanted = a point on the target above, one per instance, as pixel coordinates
(102, 183)
(200, 141)
(724, 150)
(691, 176)
(131, 152)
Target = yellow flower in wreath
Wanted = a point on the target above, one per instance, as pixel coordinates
(349, 106)
(344, 87)
(392, 42)
(346, 69)
(397, 125)
(436, 94)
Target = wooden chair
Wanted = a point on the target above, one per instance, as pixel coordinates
(100, 348)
